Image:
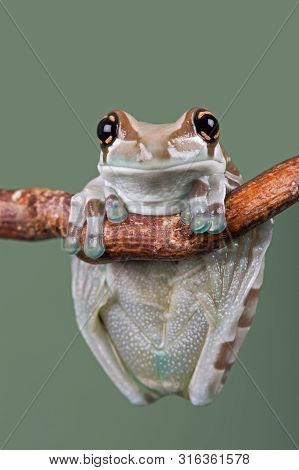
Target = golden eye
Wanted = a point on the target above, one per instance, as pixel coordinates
(206, 125)
(107, 129)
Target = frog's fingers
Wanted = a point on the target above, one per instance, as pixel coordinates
(115, 208)
(186, 214)
(216, 198)
(94, 244)
(199, 207)
(71, 243)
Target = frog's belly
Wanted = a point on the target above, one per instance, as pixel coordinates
(166, 368)
(158, 331)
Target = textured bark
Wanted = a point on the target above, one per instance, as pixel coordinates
(39, 214)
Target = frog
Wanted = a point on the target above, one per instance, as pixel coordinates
(154, 169)
(175, 327)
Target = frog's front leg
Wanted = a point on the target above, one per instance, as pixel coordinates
(205, 210)
(216, 197)
(115, 209)
(89, 206)
(196, 212)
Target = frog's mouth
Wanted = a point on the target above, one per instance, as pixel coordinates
(204, 167)
(156, 191)
(181, 159)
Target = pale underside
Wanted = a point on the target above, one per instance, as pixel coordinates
(160, 328)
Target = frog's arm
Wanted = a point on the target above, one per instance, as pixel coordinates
(89, 206)
(41, 213)
(205, 210)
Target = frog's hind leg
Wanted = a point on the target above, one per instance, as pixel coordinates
(234, 278)
(229, 351)
(91, 294)
(204, 392)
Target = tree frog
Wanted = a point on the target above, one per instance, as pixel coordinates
(161, 328)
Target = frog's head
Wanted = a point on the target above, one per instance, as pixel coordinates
(126, 142)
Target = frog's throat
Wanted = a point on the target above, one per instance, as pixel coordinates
(157, 191)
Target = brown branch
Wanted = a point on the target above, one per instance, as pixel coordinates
(39, 214)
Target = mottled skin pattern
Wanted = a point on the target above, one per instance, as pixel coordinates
(164, 328)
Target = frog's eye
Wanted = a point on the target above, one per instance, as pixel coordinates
(107, 129)
(206, 125)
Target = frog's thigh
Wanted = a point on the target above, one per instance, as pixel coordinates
(229, 351)
(98, 340)
(89, 290)
(221, 349)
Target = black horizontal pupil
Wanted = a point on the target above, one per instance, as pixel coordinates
(207, 126)
(107, 129)
(104, 130)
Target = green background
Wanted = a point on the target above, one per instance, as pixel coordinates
(154, 59)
